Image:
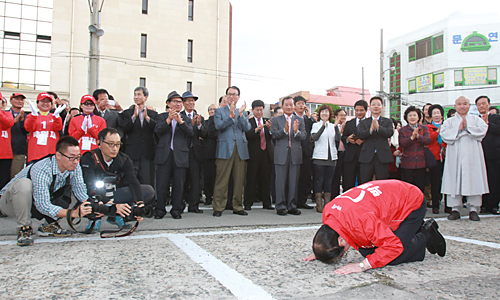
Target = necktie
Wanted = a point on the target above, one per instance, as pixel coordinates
(174, 124)
(189, 115)
(262, 138)
(341, 144)
(290, 129)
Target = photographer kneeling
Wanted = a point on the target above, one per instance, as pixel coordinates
(109, 175)
(43, 190)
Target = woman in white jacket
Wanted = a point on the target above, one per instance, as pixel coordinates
(324, 133)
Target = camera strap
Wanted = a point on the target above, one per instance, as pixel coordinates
(114, 233)
(70, 219)
(98, 163)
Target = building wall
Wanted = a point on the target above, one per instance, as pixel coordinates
(165, 67)
(425, 71)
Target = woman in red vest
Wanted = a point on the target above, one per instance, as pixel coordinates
(6, 122)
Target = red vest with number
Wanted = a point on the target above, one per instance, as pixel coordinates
(6, 122)
(43, 135)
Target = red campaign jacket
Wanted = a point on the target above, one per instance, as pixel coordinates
(434, 145)
(366, 216)
(6, 122)
(38, 126)
(76, 131)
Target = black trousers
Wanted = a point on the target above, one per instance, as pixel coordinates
(366, 171)
(323, 176)
(415, 177)
(305, 180)
(123, 194)
(5, 165)
(350, 173)
(192, 184)
(164, 173)
(411, 237)
(259, 172)
(339, 173)
(209, 173)
(436, 176)
(490, 201)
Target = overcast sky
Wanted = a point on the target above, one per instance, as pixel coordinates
(282, 46)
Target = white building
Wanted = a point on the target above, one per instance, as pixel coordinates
(438, 63)
(164, 45)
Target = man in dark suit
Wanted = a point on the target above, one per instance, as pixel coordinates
(261, 150)
(491, 149)
(375, 155)
(352, 146)
(192, 187)
(288, 130)
(101, 97)
(138, 124)
(209, 146)
(172, 155)
(305, 177)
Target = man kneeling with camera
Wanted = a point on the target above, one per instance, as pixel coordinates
(43, 190)
(110, 178)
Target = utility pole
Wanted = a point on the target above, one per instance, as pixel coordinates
(381, 61)
(363, 83)
(95, 33)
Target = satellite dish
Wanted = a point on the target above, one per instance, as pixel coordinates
(92, 28)
(100, 32)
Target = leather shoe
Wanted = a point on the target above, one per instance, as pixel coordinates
(248, 208)
(435, 242)
(159, 216)
(294, 211)
(305, 206)
(217, 213)
(493, 211)
(455, 215)
(176, 216)
(435, 210)
(282, 212)
(268, 207)
(196, 211)
(473, 216)
(447, 210)
(241, 213)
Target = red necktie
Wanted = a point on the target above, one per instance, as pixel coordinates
(262, 138)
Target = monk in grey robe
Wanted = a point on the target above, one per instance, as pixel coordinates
(464, 168)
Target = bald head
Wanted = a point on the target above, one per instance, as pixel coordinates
(462, 105)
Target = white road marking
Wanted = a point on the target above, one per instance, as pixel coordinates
(239, 285)
(471, 241)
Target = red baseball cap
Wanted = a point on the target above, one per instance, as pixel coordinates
(17, 94)
(87, 97)
(42, 96)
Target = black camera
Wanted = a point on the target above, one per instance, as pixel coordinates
(105, 209)
(136, 211)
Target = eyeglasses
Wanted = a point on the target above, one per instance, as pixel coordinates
(232, 95)
(111, 145)
(88, 103)
(71, 159)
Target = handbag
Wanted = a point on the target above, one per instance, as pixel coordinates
(430, 160)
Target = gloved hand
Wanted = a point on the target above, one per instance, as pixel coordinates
(89, 122)
(84, 124)
(34, 109)
(59, 109)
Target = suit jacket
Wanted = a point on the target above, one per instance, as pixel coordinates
(209, 139)
(231, 131)
(281, 138)
(140, 140)
(377, 140)
(182, 140)
(352, 151)
(307, 145)
(413, 151)
(197, 133)
(491, 142)
(254, 140)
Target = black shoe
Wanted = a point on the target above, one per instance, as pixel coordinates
(248, 208)
(455, 215)
(196, 211)
(208, 202)
(435, 242)
(241, 213)
(305, 206)
(473, 216)
(282, 212)
(217, 213)
(435, 210)
(295, 211)
(176, 216)
(493, 211)
(268, 207)
(2, 215)
(159, 215)
(447, 210)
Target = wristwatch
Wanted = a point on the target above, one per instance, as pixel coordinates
(362, 266)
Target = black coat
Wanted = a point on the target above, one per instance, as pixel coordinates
(197, 133)
(351, 150)
(307, 145)
(491, 142)
(254, 140)
(139, 140)
(209, 139)
(378, 140)
(182, 140)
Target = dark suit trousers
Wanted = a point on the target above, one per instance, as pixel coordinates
(192, 185)
(258, 174)
(209, 173)
(146, 170)
(305, 179)
(411, 237)
(5, 165)
(339, 173)
(351, 171)
(435, 176)
(287, 175)
(490, 201)
(366, 171)
(415, 177)
(164, 173)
